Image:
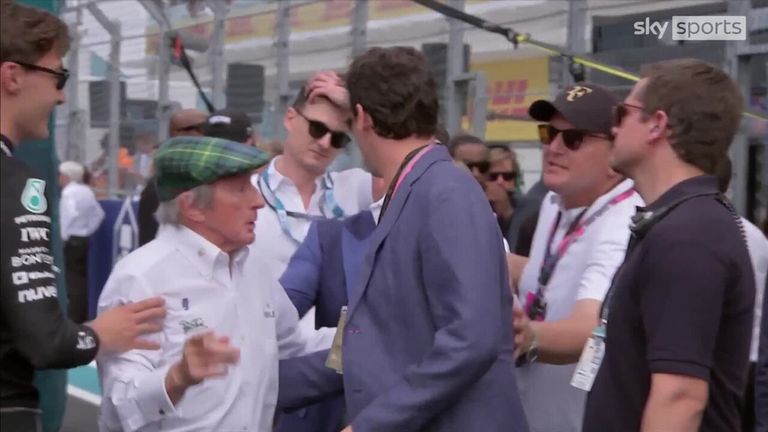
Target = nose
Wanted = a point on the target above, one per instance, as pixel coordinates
(557, 145)
(259, 200)
(325, 140)
(61, 97)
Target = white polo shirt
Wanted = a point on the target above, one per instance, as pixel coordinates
(758, 253)
(351, 190)
(585, 271)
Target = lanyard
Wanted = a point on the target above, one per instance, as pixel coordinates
(651, 219)
(283, 214)
(408, 163)
(537, 304)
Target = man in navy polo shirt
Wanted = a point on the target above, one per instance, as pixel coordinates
(675, 327)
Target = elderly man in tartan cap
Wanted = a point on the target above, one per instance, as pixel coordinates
(218, 324)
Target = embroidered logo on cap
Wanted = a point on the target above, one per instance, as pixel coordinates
(577, 92)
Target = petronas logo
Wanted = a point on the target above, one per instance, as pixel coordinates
(33, 197)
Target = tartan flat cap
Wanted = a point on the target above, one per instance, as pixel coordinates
(183, 163)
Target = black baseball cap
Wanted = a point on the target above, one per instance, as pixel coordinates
(585, 105)
(228, 124)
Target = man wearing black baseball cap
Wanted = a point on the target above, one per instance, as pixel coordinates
(580, 241)
(231, 125)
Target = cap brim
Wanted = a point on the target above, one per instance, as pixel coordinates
(542, 110)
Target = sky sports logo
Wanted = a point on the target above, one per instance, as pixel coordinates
(698, 28)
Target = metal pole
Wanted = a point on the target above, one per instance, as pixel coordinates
(113, 76)
(738, 68)
(114, 107)
(163, 68)
(454, 67)
(283, 36)
(360, 28)
(216, 54)
(74, 126)
(576, 36)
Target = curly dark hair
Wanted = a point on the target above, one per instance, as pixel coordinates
(396, 88)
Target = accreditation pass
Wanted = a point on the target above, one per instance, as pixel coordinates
(590, 360)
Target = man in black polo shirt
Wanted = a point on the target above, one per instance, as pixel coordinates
(678, 318)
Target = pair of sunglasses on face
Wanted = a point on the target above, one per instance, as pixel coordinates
(61, 75)
(572, 138)
(507, 176)
(483, 167)
(318, 130)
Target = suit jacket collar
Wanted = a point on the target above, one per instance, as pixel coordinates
(395, 208)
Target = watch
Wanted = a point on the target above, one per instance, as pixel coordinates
(533, 350)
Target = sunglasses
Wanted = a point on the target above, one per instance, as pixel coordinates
(572, 138)
(621, 110)
(507, 176)
(318, 129)
(481, 166)
(61, 75)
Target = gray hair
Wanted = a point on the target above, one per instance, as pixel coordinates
(168, 212)
(73, 170)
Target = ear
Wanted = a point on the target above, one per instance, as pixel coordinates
(10, 77)
(657, 125)
(362, 120)
(188, 210)
(290, 114)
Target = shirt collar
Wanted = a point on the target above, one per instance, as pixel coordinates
(376, 208)
(204, 255)
(276, 179)
(569, 214)
(7, 145)
(695, 185)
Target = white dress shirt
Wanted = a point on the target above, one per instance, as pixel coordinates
(80, 213)
(352, 191)
(758, 253)
(203, 289)
(584, 272)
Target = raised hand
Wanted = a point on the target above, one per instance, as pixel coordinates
(204, 356)
(329, 85)
(119, 329)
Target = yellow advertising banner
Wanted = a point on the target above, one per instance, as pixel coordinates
(320, 15)
(513, 84)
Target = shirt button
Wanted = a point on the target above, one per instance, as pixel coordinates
(161, 412)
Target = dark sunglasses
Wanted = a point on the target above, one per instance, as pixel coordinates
(621, 110)
(318, 129)
(482, 166)
(572, 138)
(61, 75)
(507, 176)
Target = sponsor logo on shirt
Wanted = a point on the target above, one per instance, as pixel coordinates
(20, 278)
(34, 234)
(33, 196)
(34, 294)
(85, 341)
(269, 311)
(25, 219)
(189, 325)
(31, 259)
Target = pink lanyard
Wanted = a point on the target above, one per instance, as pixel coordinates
(411, 164)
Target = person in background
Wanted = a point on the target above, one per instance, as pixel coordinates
(676, 325)
(80, 216)
(472, 152)
(34, 333)
(501, 184)
(757, 244)
(231, 125)
(185, 122)
(580, 241)
(761, 368)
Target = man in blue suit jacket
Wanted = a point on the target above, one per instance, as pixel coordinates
(761, 374)
(427, 344)
(320, 274)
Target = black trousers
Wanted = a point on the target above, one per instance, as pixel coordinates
(76, 265)
(20, 420)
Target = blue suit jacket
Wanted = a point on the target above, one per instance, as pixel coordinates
(317, 275)
(321, 270)
(428, 343)
(761, 373)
